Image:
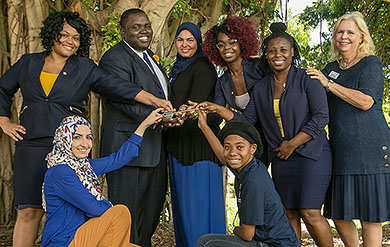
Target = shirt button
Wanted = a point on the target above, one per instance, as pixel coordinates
(386, 165)
(384, 148)
(46, 100)
(385, 156)
(64, 73)
(232, 93)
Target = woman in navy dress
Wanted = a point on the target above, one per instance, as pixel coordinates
(358, 134)
(196, 179)
(234, 44)
(293, 112)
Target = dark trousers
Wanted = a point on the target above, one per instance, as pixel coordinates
(221, 240)
(143, 191)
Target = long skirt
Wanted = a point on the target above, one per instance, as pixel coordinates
(197, 201)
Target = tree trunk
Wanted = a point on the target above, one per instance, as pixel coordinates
(24, 18)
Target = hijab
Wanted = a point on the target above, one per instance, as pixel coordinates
(182, 63)
(62, 155)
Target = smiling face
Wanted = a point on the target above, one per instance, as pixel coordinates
(82, 142)
(348, 37)
(68, 43)
(230, 50)
(137, 31)
(186, 44)
(238, 152)
(279, 54)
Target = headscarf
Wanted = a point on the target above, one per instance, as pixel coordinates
(246, 131)
(62, 154)
(182, 63)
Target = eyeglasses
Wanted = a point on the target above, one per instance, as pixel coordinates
(230, 43)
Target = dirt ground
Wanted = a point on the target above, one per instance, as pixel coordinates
(164, 237)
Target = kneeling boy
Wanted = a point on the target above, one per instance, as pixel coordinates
(263, 221)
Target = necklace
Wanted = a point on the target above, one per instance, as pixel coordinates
(281, 82)
(347, 64)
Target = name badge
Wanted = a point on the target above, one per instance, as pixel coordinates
(334, 74)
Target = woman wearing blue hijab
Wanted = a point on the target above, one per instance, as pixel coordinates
(195, 177)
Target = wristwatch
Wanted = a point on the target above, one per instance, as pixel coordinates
(330, 82)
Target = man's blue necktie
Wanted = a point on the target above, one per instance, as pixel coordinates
(146, 58)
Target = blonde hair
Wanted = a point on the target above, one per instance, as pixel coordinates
(367, 46)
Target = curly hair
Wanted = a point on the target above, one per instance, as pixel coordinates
(278, 30)
(53, 25)
(240, 28)
(367, 46)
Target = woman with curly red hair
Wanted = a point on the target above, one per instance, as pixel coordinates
(234, 43)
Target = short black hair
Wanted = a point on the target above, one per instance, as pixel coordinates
(53, 25)
(127, 13)
(278, 29)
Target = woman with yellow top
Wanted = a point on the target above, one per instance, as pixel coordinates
(53, 84)
(293, 111)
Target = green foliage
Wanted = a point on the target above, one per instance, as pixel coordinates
(250, 7)
(111, 34)
(96, 5)
(167, 64)
(182, 7)
(377, 16)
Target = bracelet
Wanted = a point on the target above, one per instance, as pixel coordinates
(330, 82)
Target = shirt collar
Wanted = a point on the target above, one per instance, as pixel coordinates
(245, 170)
(139, 53)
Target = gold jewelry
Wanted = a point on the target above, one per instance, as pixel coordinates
(347, 64)
(280, 82)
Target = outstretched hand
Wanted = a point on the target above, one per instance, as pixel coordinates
(153, 118)
(202, 119)
(162, 103)
(208, 106)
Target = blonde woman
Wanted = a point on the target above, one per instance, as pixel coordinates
(358, 133)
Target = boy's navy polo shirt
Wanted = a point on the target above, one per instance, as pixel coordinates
(259, 204)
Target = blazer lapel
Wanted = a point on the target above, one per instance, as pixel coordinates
(139, 60)
(143, 65)
(34, 71)
(151, 54)
(67, 73)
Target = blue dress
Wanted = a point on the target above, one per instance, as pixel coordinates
(196, 179)
(360, 141)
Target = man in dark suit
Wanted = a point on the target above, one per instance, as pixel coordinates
(141, 184)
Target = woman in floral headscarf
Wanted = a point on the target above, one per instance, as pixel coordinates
(77, 214)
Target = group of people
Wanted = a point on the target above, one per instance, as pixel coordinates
(268, 103)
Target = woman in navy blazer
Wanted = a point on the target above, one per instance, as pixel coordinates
(54, 85)
(293, 112)
(226, 46)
